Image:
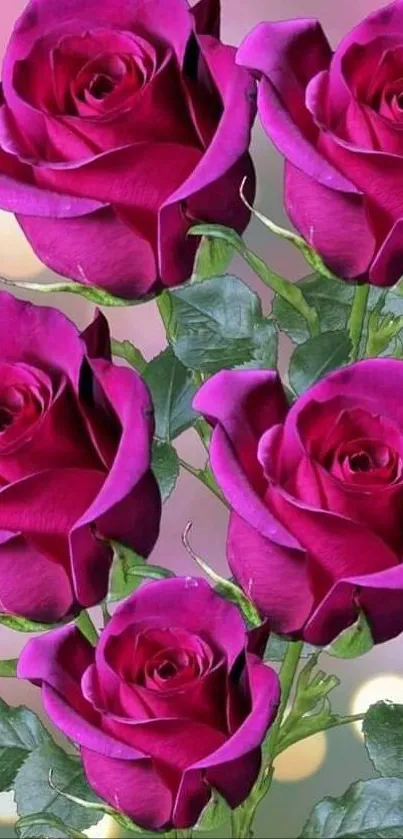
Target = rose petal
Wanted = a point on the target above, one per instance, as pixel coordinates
(274, 577)
(233, 768)
(33, 584)
(131, 786)
(81, 249)
(332, 222)
(273, 51)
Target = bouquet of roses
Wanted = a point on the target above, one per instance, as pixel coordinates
(125, 130)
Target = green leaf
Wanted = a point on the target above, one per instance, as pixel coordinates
(129, 570)
(172, 390)
(121, 819)
(215, 814)
(277, 648)
(19, 624)
(130, 353)
(20, 732)
(356, 640)
(212, 259)
(332, 300)
(165, 465)
(96, 295)
(286, 290)
(8, 669)
(218, 324)
(46, 820)
(368, 810)
(33, 792)
(383, 732)
(317, 357)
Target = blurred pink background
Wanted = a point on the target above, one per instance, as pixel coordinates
(141, 325)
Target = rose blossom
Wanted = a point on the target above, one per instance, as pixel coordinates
(170, 704)
(337, 117)
(121, 123)
(75, 437)
(317, 495)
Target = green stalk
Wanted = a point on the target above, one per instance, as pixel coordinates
(356, 320)
(85, 625)
(205, 477)
(243, 818)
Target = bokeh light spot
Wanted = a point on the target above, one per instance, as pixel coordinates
(302, 760)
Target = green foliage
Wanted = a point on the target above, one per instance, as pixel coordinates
(277, 648)
(355, 641)
(130, 353)
(8, 668)
(172, 389)
(95, 295)
(318, 357)
(19, 624)
(34, 793)
(383, 732)
(165, 465)
(212, 259)
(311, 711)
(218, 324)
(20, 733)
(129, 571)
(368, 810)
(286, 290)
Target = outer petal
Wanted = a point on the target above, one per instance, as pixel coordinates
(207, 17)
(337, 547)
(131, 786)
(220, 165)
(332, 222)
(233, 768)
(381, 597)
(387, 267)
(43, 336)
(58, 659)
(126, 391)
(273, 51)
(98, 249)
(244, 405)
(274, 577)
(32, 583)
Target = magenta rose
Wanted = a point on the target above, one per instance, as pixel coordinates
(122, 122)
(316, 492)
(75, 437)
(171, 704)
(338, 120)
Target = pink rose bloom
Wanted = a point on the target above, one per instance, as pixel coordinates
(75, 439)
(122, 122)
(316, 492)
(172, 703)
(337, 117)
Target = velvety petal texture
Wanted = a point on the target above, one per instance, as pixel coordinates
(170, 704)
(316, 492)
(121, 125)
(337, 118)
(75, 441)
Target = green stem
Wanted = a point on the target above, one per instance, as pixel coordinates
(106, 616)
(356, 320)
(85, 625)
(205, 477)
(243, 818)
